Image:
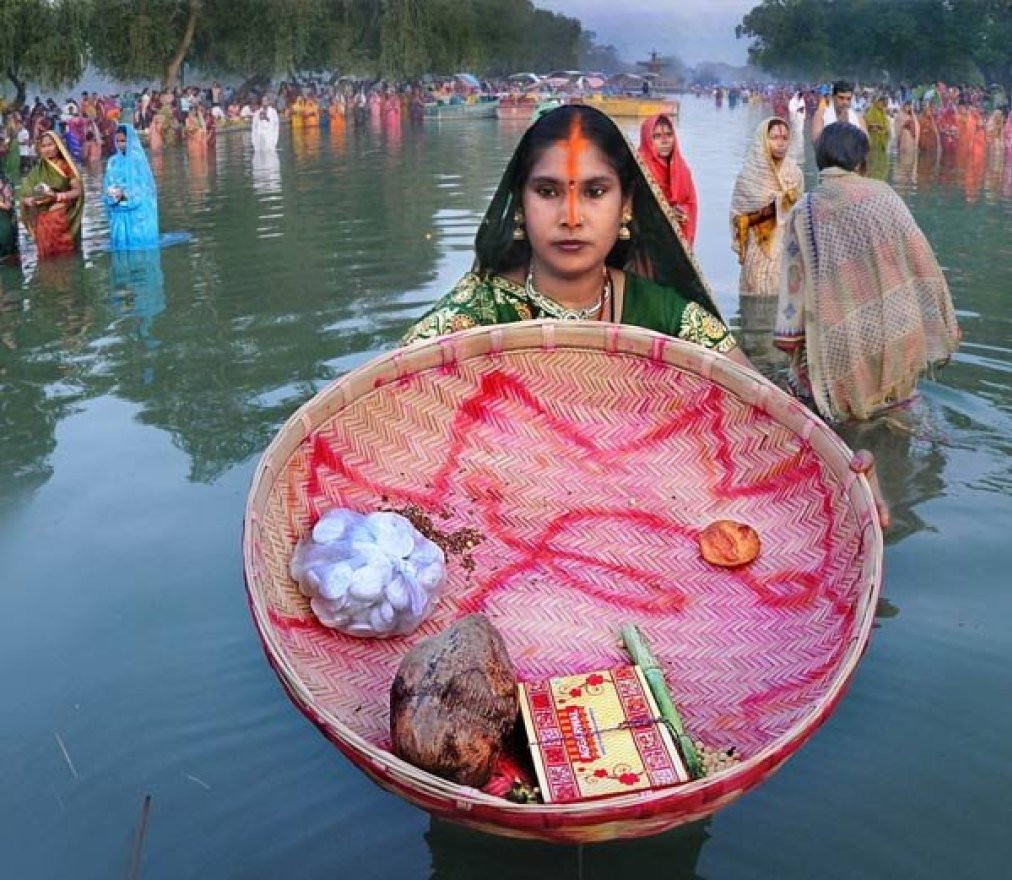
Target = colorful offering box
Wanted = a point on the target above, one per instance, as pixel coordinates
(598, 734)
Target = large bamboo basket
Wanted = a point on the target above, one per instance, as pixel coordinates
(590, 456)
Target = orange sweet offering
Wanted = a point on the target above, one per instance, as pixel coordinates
(729, 543)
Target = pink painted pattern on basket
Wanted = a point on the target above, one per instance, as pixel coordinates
(590, 474)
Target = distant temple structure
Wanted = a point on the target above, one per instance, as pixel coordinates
(655, 64)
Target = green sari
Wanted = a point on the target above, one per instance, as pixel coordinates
(12, 160)
(477, 301)
(56, 229)
(877, 121)
(8, 220)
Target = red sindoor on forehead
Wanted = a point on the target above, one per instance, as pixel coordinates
(576, 144)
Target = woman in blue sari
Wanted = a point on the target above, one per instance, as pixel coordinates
(131, 197)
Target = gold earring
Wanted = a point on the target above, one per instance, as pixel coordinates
(519, 233)
(623, 231)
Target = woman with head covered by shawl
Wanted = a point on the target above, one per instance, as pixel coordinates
(661, 155)
(767, 187)
(130, 195)
(53, 199)
(576, 231)
(8, 220)
(908, 131)
(928, 140)
(864, 309)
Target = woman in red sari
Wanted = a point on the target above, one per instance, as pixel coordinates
(929, 140)
(948, 128)
(659, 150)
(54, 200)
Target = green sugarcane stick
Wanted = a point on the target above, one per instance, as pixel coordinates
(636, 644)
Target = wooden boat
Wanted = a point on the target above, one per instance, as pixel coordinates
(589, 457)
(466, 110)
(517, 107)
(626, 106)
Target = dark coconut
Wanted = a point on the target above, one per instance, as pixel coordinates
(454, 701)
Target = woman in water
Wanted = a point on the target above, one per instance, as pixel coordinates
(8, 221)
(660, 153)
(766, 189)
(864, 309)
(576, 231)
(130, 195)
(54, 200)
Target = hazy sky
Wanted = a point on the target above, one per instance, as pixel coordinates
(695, 30)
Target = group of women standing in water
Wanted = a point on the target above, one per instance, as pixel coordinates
(583, 228)
(52, 200)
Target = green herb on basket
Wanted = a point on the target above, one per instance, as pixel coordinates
(636, 644)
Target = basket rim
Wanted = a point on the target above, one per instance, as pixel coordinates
(490, 341)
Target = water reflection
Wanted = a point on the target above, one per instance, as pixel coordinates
(909, 460)
(48, 321)
(137, 289)
(266, 167)
(456, 853)
(199, 164)
(306, 144)
(757, 317)
(266, 298)
(338, 134)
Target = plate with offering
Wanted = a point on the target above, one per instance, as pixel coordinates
(569, 473)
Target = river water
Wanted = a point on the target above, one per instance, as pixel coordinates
(136, 396)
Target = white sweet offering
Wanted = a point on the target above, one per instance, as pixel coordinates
(368, 575)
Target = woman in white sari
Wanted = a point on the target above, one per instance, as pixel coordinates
(766, 189)
(797, 113)
(265, 126)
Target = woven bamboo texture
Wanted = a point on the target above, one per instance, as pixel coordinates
(588, 457)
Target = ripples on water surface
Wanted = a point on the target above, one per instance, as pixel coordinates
(135, 396)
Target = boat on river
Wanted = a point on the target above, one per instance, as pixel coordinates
(616, 107)
(484, 108)
(624, 106)
(517, 106)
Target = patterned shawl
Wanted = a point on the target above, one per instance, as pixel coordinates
(862, 296)
(762, 182)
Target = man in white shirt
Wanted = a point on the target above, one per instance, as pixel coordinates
(838, 110)
(26, 149)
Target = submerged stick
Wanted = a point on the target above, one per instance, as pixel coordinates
(138, 849)
(66, 754)
(642, 656)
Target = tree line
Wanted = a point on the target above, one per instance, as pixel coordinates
(52, 41)
(916, 41)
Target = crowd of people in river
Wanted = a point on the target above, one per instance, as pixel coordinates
(932, 119)
(583, 228)
(862, 306)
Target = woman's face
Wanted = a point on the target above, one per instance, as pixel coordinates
(48, 148)
(780, 140)
(664, 139)
(573, 206)
(121, 141)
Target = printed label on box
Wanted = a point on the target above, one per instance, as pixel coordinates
(598, 734)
